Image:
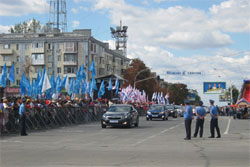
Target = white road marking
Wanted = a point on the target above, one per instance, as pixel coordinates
(228, 125)
(150, 137)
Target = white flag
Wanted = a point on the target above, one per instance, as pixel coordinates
(46, 83)
(67, 84)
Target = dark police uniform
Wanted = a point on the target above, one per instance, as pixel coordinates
(200, 112)
(22, 120)
(188, 116)
(214, 122)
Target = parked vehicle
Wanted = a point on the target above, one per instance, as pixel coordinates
(171, 110)
(120, 115)
(180, 110)
(157, 111)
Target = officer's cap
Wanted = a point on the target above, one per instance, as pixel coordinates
(200, 103)
(211, 101)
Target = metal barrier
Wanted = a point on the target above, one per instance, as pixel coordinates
(50, 117)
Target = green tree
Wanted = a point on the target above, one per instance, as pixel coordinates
(32, 26)
(235, 93)
(178, 93)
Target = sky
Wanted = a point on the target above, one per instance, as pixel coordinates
(207, 36)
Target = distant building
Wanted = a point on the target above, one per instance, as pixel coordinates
(60, 53)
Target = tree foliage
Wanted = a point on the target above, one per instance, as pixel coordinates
(235, 92)
(178, 92)
(32, 26)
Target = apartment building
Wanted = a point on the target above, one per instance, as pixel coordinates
(60, 53)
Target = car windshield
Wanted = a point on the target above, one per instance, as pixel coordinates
(119, 109)
(169, 107)
(178, 107)
(155, 107)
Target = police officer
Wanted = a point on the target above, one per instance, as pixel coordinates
(22, 113)
(214, 120)
(188, 116)
(200, 118)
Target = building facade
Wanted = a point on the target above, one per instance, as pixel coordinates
(60, 53)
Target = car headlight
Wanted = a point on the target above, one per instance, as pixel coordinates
(162, 112)
(104, 116)
(148, 112)
(126, 115)
(172, 111)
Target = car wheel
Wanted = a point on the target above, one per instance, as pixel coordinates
(103, 126)
(147, 119)
(166, 118)
(130, 124)
(137, 123)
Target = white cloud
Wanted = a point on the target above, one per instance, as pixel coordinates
(232, 15)
(175, 27)
(159, 1)
(84, 8)
(75, 23)
(74, 10)
(4, 29)
(23, 7)
(152, 32)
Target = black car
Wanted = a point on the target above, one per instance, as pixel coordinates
(157, 111)
(120, 115)
(172, 110)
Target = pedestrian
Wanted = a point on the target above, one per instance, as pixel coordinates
(200, 118)
(23, 113)
(214, 120)
(188, 116)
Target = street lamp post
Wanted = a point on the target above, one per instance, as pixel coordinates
(138, 74)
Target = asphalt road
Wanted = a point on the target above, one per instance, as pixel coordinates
(154, 143)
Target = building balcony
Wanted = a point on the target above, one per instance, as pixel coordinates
(70, 75)
(37, 50)
(37, 63)
(6, 51)
(8, 63)
(72, 63)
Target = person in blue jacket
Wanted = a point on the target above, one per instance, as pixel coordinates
(188, 116)
(214, 120)
(23, 113)
(200, 118)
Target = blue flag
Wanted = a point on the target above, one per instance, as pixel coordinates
(71, 86)
(117, 84)
(53, 84)
(92, 69)
(3, 78)
(82, 73)
(110, 85)
(63, 82)
(12, 74)
(58, 85)
(84, 86)
(101, 90)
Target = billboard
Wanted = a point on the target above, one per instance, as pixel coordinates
(191, 96)
(224, 98)
(214, 87)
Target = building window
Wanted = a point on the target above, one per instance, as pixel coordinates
(26, 46)
(37, 45)
(18, 58)
(38, 69)
(17, 46)
(49, 70)
(8, 82)
(70, 69)
(50, 58)
(101, 71)
(70, 47)
(49, 46)
(6, 58)
(59, 58)
(18, 82)
(59, 70)
(17, 71)
(70, 58)
(6, 46)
